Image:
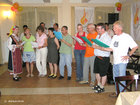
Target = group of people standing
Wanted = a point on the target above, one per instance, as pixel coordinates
(48, 50)
(97, 58)
(93, 58)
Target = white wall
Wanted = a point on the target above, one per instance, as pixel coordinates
(5, 25)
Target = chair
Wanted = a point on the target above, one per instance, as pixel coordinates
(129, 79)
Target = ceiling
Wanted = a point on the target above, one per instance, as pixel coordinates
(59, 1)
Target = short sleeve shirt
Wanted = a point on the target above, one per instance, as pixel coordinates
(28, 45)
(89, 50)
(41, 39)
(105, 38)
(120, 45)
(65, 49)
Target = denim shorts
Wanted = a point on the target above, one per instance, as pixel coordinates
(29, 57)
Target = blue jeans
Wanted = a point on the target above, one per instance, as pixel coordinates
(79, 58)
(65, 59)
(119, 70)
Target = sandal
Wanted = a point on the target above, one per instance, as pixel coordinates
(54, 76)
(99, 90)
(95, 87)
(50, 76)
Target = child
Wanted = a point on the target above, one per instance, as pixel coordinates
(53, 46)
(28, 52)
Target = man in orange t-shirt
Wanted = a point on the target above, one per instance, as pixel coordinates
(89, 57)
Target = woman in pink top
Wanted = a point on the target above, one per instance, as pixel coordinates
(79, 52)
(41, 51)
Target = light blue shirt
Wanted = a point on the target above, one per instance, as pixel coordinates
(105, 38)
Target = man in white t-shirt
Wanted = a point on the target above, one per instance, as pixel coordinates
(120, 45)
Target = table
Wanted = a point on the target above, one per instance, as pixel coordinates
(128, 98)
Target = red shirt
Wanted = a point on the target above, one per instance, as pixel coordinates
(77, 45)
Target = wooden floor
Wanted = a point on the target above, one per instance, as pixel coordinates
(46, 91)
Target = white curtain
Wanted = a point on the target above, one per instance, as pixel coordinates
(135, 21)
(32, 16)
(48, 15)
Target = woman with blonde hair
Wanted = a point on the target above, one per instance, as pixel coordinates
(15, 60)
(28, 52)
(79, 52)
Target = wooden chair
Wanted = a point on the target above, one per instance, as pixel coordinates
(129, 79)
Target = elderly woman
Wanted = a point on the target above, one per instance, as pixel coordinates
(15, 60)
(41, 51)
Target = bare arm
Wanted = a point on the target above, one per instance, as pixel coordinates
(84, 43)
(57, 43)
(74, 42)
(133, 50)
(85, 34)
(45, 44)
(130, 53)
(68, 44)
(102, 48)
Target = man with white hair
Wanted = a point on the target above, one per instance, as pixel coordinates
(120, 45)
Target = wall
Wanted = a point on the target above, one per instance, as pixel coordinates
(5, 25)
(65, 16)
(125, 16)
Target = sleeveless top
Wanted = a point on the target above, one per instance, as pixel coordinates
(52, 51)
(77, 45)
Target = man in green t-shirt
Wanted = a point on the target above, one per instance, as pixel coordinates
(65, 53)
